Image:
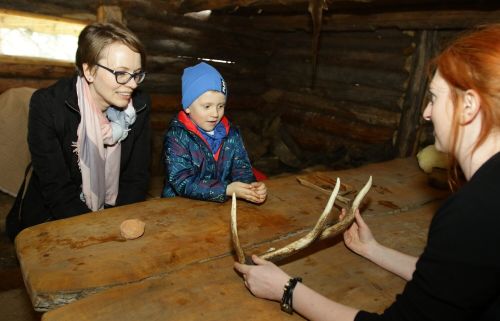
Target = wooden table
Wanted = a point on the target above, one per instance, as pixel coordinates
(181, 268)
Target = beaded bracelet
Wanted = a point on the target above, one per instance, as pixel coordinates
(287, 299)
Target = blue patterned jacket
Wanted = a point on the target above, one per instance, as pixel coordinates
(193, 171)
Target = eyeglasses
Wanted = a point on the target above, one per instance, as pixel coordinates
(123, 77)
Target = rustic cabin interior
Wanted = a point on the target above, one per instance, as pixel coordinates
(319, 89)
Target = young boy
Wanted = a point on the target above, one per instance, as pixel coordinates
(204, 154)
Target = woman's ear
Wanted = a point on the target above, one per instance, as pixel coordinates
(471, 106)
(88, 73)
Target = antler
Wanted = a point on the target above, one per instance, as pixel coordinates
(319, 230)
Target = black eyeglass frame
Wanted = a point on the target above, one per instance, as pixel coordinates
(117, 73)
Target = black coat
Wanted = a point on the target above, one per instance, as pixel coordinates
(53, 192)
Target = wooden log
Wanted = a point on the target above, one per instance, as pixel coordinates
(255, 144)
(390, 79)
(165, 63)
(338, 126)
(356, 94)
(78, 10)
(320, 148)
(172, 102)
(287, 151)
(13, 19)
(180, 27)
(178, 34)
(162, 83)
(411, 20)
(245, 102)
(362, 154)
(202, 49)
(342, 57)
(388, 41)
(174, 67)
(40, 69)
(171, 84)
(166, 102)
(407, 142)
(311, 141)
(110, 14)
(198, 5)
(137, 10)
(7, 83)
(160, 121)
(366, 114)
(403, 20)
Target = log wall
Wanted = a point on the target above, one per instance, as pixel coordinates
(368, 81)
(348, 112)
(173, 42)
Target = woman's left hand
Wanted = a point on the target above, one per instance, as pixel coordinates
(265, 280)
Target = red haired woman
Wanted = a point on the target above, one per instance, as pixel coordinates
(457, 277)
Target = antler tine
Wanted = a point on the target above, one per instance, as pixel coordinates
(234, 232)
(303, 242)
(349, 218)
(361, 195)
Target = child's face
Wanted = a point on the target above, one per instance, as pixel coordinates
(207, 110)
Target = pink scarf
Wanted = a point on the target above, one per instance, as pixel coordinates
(98, 155)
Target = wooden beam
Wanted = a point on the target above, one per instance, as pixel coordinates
(110, 14)
(199, 5)
(445, 19)
(338, 126)
(35, 70)
(404, 20)
(411, 115)
(7, 83)
(68, 9)
(365, 114)
(166, 102)
(21, 60)
(12, 19)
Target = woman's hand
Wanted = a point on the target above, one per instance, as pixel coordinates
(265, 280)
(249, 192)
(358, 237)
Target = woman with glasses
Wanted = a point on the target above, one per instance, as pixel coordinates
(89, 136)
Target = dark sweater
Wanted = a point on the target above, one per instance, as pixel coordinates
(458, 275)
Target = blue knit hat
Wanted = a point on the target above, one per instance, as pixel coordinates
(197, 80)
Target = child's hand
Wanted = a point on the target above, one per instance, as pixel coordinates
(261, 190)
(244, 191)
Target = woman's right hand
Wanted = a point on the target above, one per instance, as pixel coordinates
(359, 237)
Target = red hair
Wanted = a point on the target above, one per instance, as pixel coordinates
(472, 61)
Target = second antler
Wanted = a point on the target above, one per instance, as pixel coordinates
(318, 231)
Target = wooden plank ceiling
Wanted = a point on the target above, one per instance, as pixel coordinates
(256, 7)
(294, 7)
